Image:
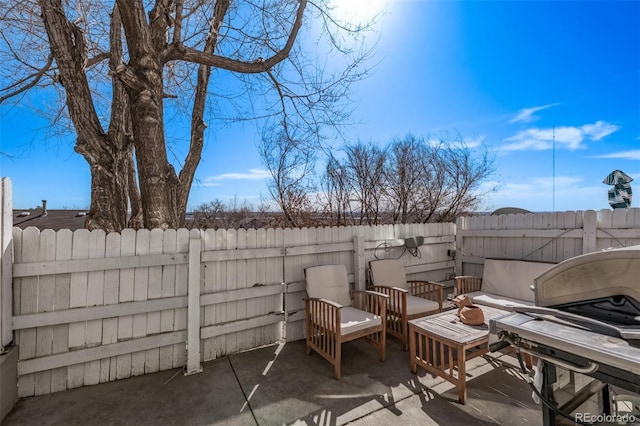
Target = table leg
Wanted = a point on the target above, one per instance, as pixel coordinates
(412, 349)
(462, 374)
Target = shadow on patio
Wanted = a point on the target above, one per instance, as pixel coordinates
(280, 384)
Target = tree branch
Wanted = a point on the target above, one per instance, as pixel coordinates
(35, 79)
(180, 52)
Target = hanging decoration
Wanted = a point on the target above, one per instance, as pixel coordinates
(620, 194)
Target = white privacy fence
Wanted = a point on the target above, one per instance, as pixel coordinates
(90, 307)
(543, 237)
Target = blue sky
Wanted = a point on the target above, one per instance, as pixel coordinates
(552, 88)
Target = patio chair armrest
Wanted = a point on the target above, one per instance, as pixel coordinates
(467, 284)
(397, 301)
(388, 290)
(323, 301)
(420, 283)
(430, 290)
(370, 301)
(323, 313)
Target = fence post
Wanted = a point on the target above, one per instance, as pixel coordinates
(589, 231)
(359, 267)
(459, 230)
(6, 264)
(193, 308)
(8, 353)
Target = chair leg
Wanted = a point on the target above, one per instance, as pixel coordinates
(405, 335)
(338, 362)
(383, 345)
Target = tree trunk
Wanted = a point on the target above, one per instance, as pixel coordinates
(104, 155)
(158, 180)
(143, 80)
(108, 195)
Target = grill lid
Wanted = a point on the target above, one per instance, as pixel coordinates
(610, 276)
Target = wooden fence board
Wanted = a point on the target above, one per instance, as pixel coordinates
(231, 340)
(111, 290)
(140, 293)
(154, 291)
(249, 336)
(127, 283)
(46, 289)
(88, 265)
(294, 271)
(234, 327)
(27, 321)
(81, 356)
(181, 285)
(78, 298)
(64, 242)
(210, 272)
(27, 250)
(216, 282)
(95, 297)
(242, 310)
(167, 290)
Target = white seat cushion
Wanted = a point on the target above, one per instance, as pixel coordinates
(352, 320)
(418, 305)
(496, 301)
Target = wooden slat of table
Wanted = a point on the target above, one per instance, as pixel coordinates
(448, 326)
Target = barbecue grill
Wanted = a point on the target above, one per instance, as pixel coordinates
(587, 321)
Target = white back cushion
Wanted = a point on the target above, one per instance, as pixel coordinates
(512, 278)
(388, 273)
(328, 282)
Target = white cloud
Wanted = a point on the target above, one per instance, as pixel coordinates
(526, 115)
(466, 142)
(470, 142)
(625, 155)
(568, 137)
(252, 174)
(599, 129)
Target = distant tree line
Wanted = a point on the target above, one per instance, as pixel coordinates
(410, 180)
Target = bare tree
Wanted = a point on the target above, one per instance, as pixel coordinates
(234, 214)
(465, 171)
(412, 180)
(336, 192)
(407, 174)
(365, 164)
(210, 215)
(290, 163)
(119, 68)
(453, 174)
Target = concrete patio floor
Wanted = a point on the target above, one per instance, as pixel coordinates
(282, 385)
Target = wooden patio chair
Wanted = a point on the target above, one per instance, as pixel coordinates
(335, 315)
(466, 284)
(407, 299)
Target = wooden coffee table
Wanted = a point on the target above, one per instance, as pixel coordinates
(442, 344)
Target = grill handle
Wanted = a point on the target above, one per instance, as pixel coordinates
(591, 367)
